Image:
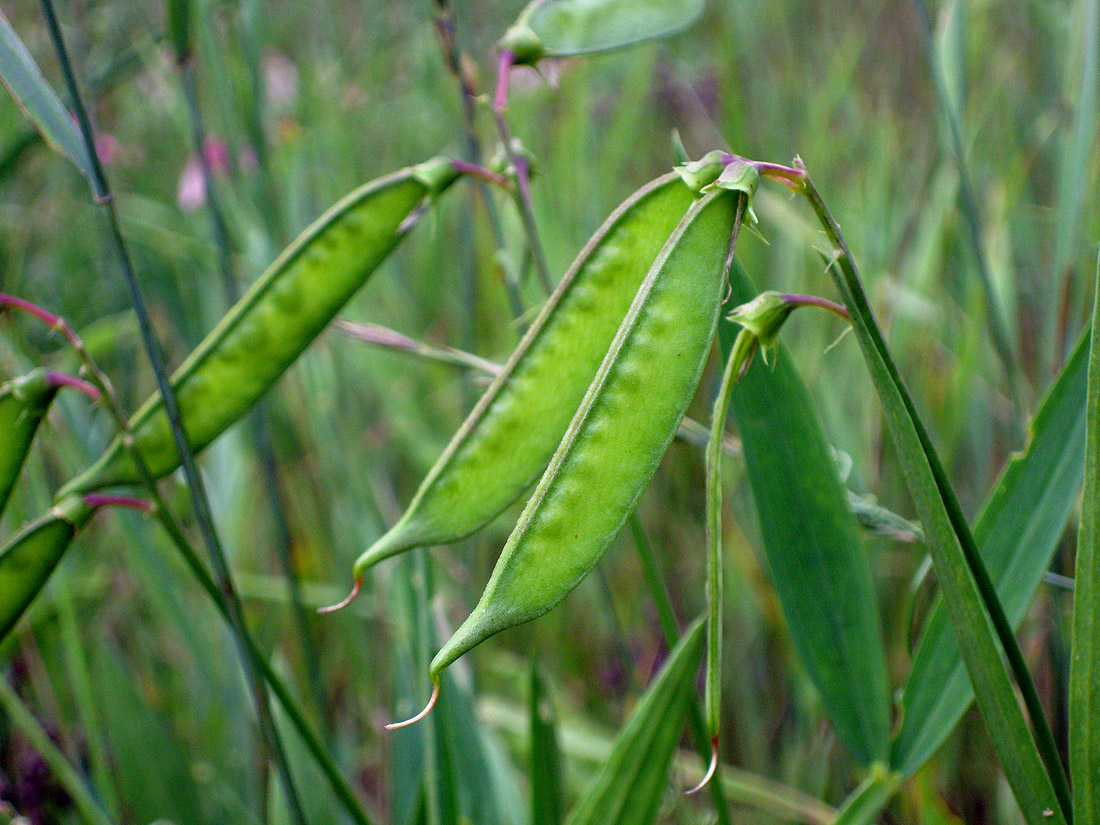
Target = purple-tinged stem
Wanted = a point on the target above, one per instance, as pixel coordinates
(61, 379)
(475, 170)
(97, 500)
(504, 70)
(790, 176)
(816, 301)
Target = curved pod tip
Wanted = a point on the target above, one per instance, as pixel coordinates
(710, 769)
(340, 605)
(427, 709)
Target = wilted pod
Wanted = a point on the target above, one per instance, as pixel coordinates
(274, 322)
(620, 431)
(24, 402)
(508, 438)
(29, 557)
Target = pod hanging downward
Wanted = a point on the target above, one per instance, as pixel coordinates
(620, 431)
(29, 557)
(508, 438)
(274, 322)
(23, 404)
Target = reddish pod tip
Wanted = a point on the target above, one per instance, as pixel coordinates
(710, 769)
(422, 714)
(332, 608)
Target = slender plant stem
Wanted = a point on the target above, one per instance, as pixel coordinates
(666, 618)
(452, 56)
(523, 194)
(194, 480)
(66, 774)
(844, 267)
(998, 329)
(159, 510)
(260, 430)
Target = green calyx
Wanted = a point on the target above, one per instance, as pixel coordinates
(703, 172)
(436, 174)
(74, 510)
(764, 316)
(738, 176)
(33, 389)
(526, 46)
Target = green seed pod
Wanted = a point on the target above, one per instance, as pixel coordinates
(24, 402)
(274, 322)
(29, 557)
(508, 438)
(619, 433)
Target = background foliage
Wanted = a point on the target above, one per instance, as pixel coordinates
(131, 671)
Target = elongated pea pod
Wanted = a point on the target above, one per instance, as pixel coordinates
(619, 433)
(273, 323)
(508, 438)
(561, 28)
(29, 557)
(24, 402)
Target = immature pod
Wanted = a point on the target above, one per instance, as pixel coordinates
(24, 402)
(29, 557)
(273, 323)
(508, 438)
(620, 431)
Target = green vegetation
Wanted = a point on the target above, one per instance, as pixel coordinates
(891, 527)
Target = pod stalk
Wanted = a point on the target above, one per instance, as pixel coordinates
(340, 605)
(427, 709)
(711, 768)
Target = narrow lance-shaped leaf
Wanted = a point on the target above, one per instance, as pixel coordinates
(812, 543)
(629, 786)
(274, 321)
(560, 28)
(546, 792)
(29, 557)
(1084, 674)
(1024, 768)
(1017, 533)
(37, 99)
(23, 404)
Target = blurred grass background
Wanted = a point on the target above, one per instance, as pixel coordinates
(130, 669)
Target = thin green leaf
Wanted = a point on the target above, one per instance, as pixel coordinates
(547, 804)
(1080, 142)
(866, 802)
(819, 569)
(37, 100)
(74, 784)
(628, 789)
(956, 569)
(1017, 533)
(569, 27)
(1084, 674)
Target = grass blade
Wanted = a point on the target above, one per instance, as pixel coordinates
(37, 100)
(866, 802)
(1017, 533)
(20, 717)
(969, 596)
(627, 790)
(998, 328)
(819, 570)
(1084, 678)
(547, 804)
